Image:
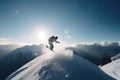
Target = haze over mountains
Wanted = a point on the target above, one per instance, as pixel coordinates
(22, 55)
(5, 49)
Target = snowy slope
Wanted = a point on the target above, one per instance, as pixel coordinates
(63, 65)
(113, 68)
(115, 57)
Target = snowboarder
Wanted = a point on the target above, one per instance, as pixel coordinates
(50, 42)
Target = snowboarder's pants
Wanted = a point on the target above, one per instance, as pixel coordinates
(51, 46)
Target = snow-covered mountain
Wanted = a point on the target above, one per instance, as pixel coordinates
(113, 68)
(94, 51)
(18, 58)
(62, 65)
(5, 49)
(115, 57)
(26, 52)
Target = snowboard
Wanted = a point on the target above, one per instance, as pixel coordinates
(49, 48)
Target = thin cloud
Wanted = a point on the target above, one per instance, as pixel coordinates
(110, 43)
(4, 41)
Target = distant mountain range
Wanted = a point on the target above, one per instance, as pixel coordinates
(18, 58)
(94, 52)
(5, 49)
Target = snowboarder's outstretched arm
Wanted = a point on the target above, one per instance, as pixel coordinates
(57, 41)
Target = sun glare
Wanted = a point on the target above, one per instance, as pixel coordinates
(41, 35)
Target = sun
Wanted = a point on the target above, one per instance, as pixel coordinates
(41, 35)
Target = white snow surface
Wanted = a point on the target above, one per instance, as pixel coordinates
(115, 57)
(113, 68)
(61, 65)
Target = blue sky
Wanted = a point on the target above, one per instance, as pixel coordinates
(73, 21)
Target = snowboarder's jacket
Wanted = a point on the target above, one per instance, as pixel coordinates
(52, 39)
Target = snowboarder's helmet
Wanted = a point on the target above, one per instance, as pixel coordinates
(56, 37)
